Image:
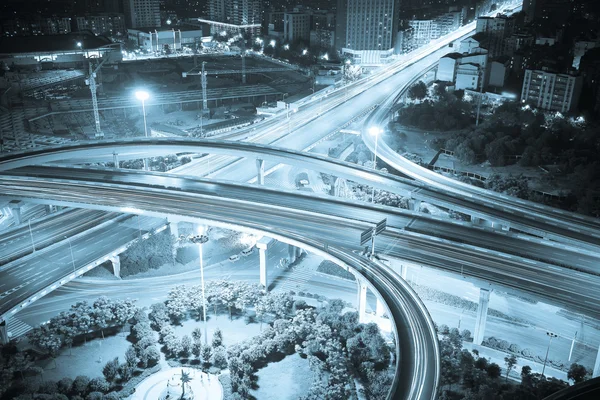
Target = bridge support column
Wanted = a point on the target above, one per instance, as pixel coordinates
(49, 208)
(482, 310)
(379, 310)
(116, 264)
(260, 170)
(362, 300)
(291, 253)
(475, 220)
(262, 253)
(116, 160)
(498, 225)
(174, 225)
(403, 271)
(414, 205)
(298, 252)
(4, 332)
(15, 206)
(596, 370)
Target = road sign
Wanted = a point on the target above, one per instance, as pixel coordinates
(366, 236)
(380, 227)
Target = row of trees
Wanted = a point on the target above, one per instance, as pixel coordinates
(81, 319)
(186, 300)
(478, 378)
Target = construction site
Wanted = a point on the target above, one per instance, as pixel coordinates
(187, 96)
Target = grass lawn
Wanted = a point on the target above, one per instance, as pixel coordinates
(87, 359)
(233, 331)
(289, 378)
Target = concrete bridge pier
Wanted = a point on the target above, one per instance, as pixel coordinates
(263, 245)
(4, 332)
(475, 220)
(596, 370)
(116, 160)
(414, 205)
(379, 309)
(292, 254)
(362, 300)
(116, 264)
(15, 206)
(482, 311)
(49, 208)
(260, 171)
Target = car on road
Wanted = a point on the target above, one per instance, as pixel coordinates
(248, 251)
(234, 258)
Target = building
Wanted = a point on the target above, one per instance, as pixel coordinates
(468, 76)
(296, 26)
(581, 47)
(366, 29)
(404, 41)
(496, 29)
(447, 67)
(460, 69)
(234, 16)
(142, 13)
(518, 41)
(551, 91)
(423, 32)
(57, 51)
(162, 39)
(499, 71)
(103, 24)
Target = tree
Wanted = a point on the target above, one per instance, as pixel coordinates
(510, 362)
(64, 385)
(186, 346)
(185, 379)
(418, 91)
(98, 385)
(197, 335)
(111, 369)
(125, 371)
(80, 385)
(577, 373)
(131, 357)
(217, 339)
(206, 354)
(493, 370)
(152, 356)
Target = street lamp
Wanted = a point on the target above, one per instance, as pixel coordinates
(79, 44)
(200, 240)
(71, 248)
(375, 131)
(552, 336)
(31, 235)
(143, 96)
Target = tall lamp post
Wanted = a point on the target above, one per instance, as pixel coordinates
(552, 336)
(71, 248)
(375, 131)
(200, 240)
(143, 96)
(31, 235)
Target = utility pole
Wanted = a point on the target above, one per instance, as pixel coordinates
(480, 75)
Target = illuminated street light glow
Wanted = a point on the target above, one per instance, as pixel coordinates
(304, 52)
(142, 95)
(79, 44)
(272, 43)
(286, 46)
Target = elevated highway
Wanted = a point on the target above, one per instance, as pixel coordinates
(411, 236)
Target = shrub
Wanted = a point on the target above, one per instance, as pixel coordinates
(48, 387)
(80, 385)
(111, 369)
(443, 329)
(465, 334)
(330, 268)
(98, 385)
(514, 348)
(95, 396)
(64, 385)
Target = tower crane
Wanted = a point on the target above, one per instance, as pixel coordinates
(91, 81)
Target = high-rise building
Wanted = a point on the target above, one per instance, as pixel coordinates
(551, 91)
(366, 29)
(235, 16)
(142, 13)
(296, 26)
(497, 30)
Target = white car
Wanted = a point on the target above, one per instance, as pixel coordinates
(234, 258)
(248, 251)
